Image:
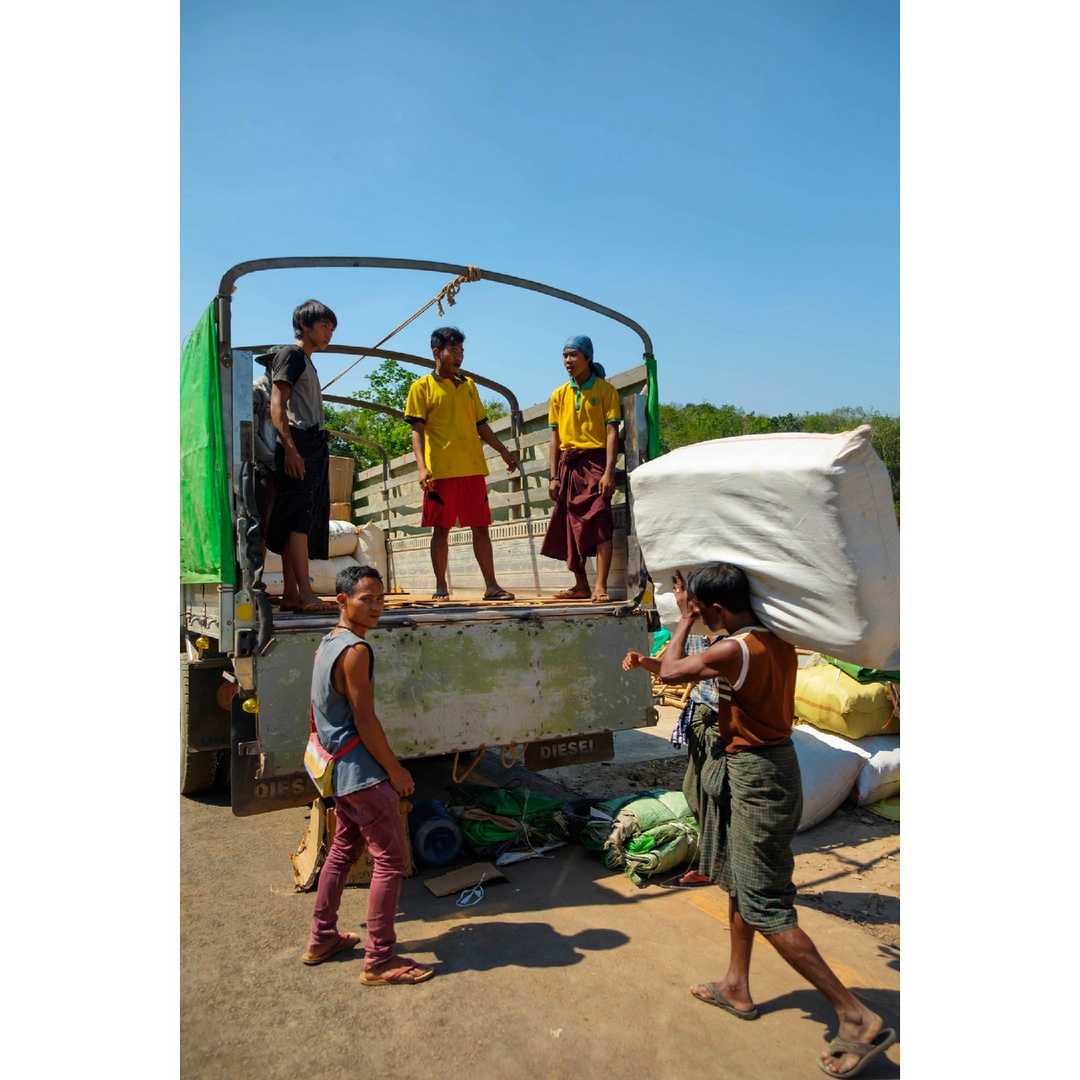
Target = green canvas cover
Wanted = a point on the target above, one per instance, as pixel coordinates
(206, 531)
(862, 674)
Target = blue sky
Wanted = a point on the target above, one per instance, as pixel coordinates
(726, 174)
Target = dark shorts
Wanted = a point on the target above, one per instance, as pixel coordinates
(464, 502)
(302, 506)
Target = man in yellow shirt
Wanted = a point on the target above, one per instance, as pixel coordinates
(448, 423)
(584, 418)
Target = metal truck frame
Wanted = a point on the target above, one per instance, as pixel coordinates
(537, 678)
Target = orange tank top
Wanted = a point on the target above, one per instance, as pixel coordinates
(758, 708)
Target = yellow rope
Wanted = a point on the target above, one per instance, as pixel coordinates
(512, 752)
(476, 761)
(447, 292)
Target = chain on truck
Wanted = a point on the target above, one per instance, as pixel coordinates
(536, 678)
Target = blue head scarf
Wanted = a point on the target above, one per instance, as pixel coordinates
(583, 344)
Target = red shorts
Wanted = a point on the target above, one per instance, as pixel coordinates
(464, 502)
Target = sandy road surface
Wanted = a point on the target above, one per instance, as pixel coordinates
(567, 970)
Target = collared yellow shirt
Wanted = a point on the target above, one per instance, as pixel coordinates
(450, 414)
(582, 413)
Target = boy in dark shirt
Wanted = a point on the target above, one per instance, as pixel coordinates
(299, 524)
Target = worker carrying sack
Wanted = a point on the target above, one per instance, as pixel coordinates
(320, 764)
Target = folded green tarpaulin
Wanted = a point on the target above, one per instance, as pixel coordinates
(207, 549)
(863, 674)
(662, 848)
(536, 819)
(650, 834)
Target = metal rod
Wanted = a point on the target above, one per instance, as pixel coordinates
(252, 266)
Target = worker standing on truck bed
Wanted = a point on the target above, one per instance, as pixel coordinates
(448, 425)
(368, 782)
(754, 803)
(299, 527)
(584, 418)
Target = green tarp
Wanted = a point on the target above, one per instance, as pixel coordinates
(862, 674)
(206, 532)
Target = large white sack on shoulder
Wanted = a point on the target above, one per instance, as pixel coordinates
(879, 778)
(810, 519)
(342, 538)
(371, 549)
(829, 765)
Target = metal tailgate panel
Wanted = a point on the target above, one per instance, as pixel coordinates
(443, 688)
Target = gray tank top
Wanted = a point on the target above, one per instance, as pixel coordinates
(334, 722)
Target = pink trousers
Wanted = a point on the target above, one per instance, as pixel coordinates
(371, 817)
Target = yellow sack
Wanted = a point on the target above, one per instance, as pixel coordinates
(832, 700)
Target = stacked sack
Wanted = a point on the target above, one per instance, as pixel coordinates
(349, 545)
(847, 736)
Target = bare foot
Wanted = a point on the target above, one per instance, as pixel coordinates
(601, 597)
(864, 1028)
(572, 594)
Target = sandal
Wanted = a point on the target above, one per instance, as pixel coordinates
(714, 996)
(499, 594)
(866, 1051)
(410, 973)
(344, 942)
(570, 594)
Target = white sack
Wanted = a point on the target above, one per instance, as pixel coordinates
(879, 778)
(343, 541)
(810, 519)
(343, 538)
(829, 765)
(371, 549)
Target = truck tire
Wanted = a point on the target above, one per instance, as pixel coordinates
(197, 767)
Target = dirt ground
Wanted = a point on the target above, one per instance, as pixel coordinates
(546, 974)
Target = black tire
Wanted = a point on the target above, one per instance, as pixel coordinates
(198, 768)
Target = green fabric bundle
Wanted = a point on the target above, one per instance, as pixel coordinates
(660, 849)
(649, 833)
(512, 818)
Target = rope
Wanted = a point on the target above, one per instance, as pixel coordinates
(476, 761)
(515, 754)
(447, 292)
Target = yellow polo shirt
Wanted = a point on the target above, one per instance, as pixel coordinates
(582, 413)
(450, 414)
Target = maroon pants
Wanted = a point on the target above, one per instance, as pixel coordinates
(371, 817)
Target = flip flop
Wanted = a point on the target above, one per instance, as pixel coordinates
(499, 594)
(716, 997)
(440, 596)
(693, 880)
(315, 607)
(569, 594)
(866, 1051)
(404, 976)
(346, 941)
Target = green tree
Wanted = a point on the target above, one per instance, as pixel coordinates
(388, 385)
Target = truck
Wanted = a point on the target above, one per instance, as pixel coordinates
(537, 679)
